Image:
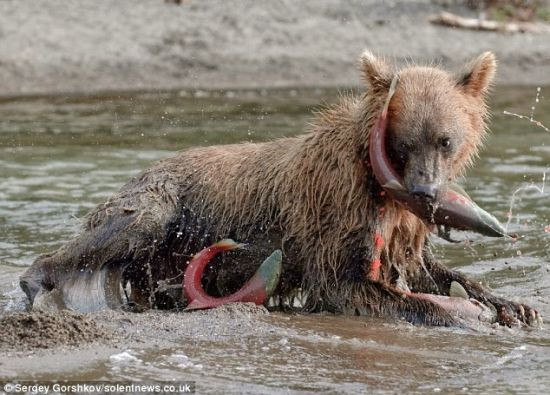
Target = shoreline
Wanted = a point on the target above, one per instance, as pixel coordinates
(77, 47)
(221, 90)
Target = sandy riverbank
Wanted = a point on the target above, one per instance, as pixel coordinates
(42, 342)
(78, 46)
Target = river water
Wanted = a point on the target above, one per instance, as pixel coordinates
(60, 156)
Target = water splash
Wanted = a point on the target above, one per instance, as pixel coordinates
(530, 118)
(531, 186)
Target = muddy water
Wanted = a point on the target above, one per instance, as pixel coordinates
(60, 156)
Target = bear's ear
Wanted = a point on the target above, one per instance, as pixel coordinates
(376, 72)
(478, 75)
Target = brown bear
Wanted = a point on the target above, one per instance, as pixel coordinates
(313, 196)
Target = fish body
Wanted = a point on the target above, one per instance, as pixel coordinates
(257, 290)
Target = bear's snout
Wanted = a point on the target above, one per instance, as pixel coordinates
(425, 191)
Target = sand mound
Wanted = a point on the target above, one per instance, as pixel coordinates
(236, 311)
(46, 330)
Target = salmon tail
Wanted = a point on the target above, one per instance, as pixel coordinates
(391, 92)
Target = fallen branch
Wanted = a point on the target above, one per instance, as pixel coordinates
(453, 20)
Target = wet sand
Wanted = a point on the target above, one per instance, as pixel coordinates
(35, 330)
(41, 342)
(82, 46)
(245, 349)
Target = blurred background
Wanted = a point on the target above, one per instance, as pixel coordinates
(84, 46)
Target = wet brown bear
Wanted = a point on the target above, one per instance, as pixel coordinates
(313, 196)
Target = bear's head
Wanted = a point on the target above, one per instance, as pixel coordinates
(436, 119)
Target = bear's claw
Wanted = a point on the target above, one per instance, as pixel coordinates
(514, 314)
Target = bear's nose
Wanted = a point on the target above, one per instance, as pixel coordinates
(424, 191)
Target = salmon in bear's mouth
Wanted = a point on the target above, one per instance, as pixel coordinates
(453, 209)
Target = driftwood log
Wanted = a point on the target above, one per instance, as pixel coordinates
(453, 20)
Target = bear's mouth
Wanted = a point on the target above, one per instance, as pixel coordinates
(454, 208)
(428, 205)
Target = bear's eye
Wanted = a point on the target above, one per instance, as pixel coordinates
(445, 143)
